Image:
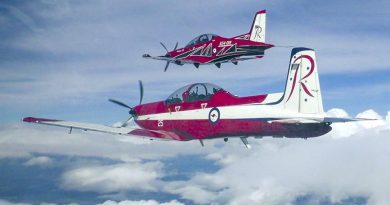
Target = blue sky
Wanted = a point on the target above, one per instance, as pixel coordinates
(64, 59)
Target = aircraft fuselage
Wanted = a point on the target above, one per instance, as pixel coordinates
(223, 115)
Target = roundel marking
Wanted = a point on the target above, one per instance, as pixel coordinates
(214, 115)
(214, 50)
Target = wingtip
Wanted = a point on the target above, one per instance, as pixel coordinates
(146, 55)
(28, 119)
(36, 120)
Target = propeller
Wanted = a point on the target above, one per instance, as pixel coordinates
(164, 47)
(168, 62)
(141, 91)
(131, 109)
(119, 103)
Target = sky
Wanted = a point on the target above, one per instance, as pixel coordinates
(64, 59)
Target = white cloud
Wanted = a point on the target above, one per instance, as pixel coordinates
(198, 193)
(141, 202)
(352, 128)
(5, 202)
(21, 139)
(42, 160)
(278, 171)
(113, 178)
(352, 160)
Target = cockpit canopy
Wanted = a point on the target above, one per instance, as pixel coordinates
(192, 93)
(200, 39)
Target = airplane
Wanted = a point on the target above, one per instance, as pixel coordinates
(213, 49)
(203, 111)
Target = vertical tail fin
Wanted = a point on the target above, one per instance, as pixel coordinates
(257, 32)
(302, 93)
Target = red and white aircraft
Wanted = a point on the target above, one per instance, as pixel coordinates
(203, 111)
(214, 49)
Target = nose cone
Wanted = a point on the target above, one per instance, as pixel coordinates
(135, 111)
(132, 112)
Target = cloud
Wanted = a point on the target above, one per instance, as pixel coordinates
(141, 202)
(350, 129)
(279, 171)
(197, 193)
(108, 202)
(350, 161)
(113, 178)
(21, 16)
(5, 202)
(21, 140)
(41, 161)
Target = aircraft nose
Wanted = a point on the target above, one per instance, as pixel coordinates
(132, 112)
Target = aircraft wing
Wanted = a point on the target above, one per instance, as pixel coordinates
(159, 134)
(245, 58)
(163, 58)
(169, 59)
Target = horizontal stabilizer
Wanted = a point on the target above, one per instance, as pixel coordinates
(303, 120)
(339, 119)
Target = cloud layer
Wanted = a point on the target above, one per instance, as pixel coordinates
(351, 161)
(113, 178)
(142, 202)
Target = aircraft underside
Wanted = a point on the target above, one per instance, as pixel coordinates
(205, 129)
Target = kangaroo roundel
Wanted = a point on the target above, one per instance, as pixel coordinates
(214, 115)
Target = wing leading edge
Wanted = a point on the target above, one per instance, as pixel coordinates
(163, 58)
(105, 128)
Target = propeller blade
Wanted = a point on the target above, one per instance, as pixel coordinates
(141, 91)
(166, 66)
(127, 122)
(120, 103)
(177, 43)
(164, 47)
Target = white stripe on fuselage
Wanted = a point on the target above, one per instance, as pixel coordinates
(246, 111)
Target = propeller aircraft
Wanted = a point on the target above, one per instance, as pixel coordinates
(213, 49)
(203, 111)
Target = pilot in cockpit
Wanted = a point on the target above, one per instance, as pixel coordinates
(203, 38)
(193, 95)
